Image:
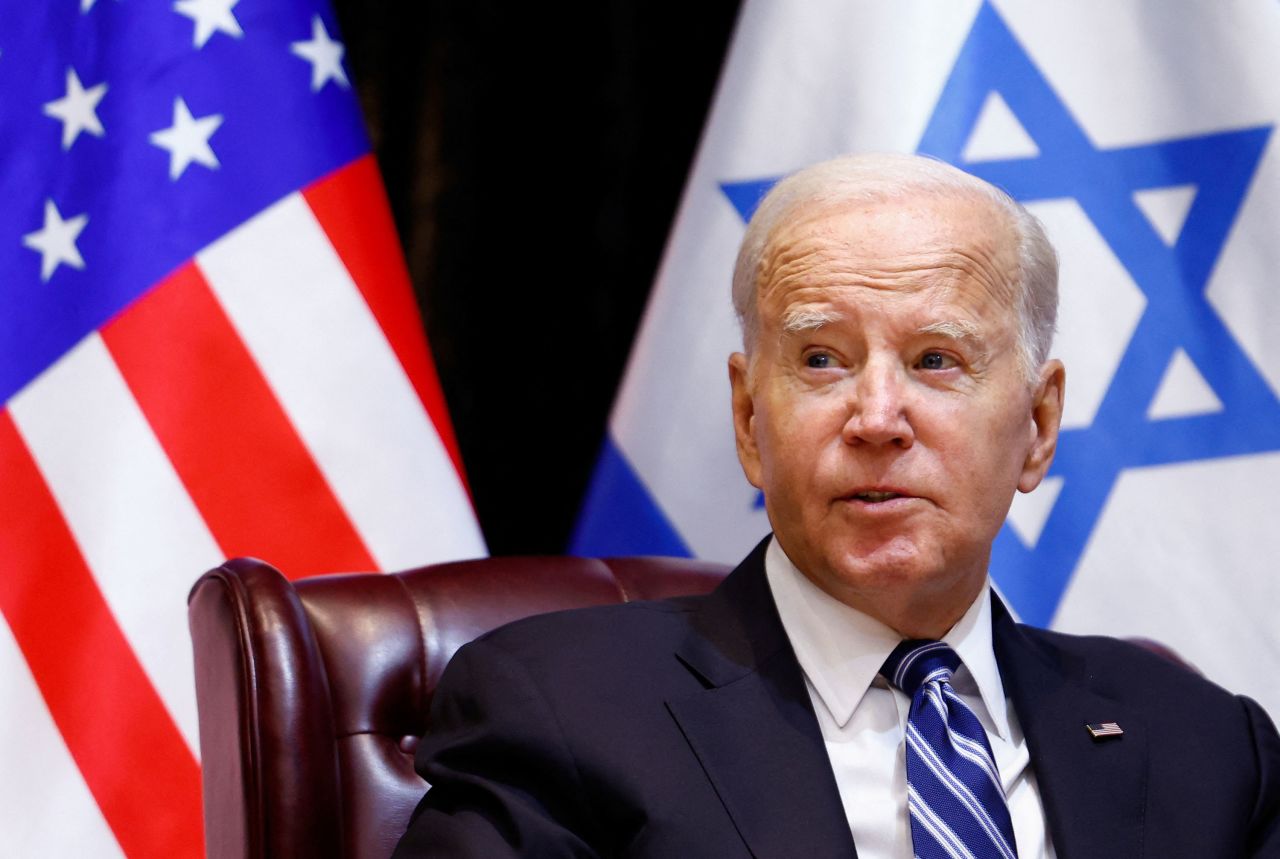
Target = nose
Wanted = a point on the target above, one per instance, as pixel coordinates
(878, 408)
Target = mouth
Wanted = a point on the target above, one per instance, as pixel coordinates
(878, 495)
(875, 497)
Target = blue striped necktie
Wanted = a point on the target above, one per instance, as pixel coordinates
(954, 796)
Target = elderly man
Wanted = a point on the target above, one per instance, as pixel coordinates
(854, 681)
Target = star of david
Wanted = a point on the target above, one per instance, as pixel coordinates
(1173, 276)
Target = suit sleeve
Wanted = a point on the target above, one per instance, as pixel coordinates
(1265, 831)
(503, 782)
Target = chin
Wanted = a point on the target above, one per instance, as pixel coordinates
(897, 563)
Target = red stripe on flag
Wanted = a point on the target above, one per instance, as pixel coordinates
(352, 209)
(244, 465)
(125, 743)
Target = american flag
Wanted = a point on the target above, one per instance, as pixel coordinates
(208, 347)
(1098, 730)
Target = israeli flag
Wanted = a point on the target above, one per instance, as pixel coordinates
(1142, 136)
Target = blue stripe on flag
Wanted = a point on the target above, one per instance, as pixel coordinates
(620, 517)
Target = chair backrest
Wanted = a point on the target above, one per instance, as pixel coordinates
(313, 694)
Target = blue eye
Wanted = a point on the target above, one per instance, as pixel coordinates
(936, 361)
(818, 360)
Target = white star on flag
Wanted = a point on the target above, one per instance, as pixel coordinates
(187, 140)
(56, 241)
(77, 110)
(324, 54)
(210, 16)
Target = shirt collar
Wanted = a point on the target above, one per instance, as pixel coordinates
(841, 649)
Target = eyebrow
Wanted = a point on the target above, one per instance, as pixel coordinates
(799, 319)
(956, 329)
(960, 330)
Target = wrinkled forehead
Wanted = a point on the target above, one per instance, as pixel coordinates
(906, 242)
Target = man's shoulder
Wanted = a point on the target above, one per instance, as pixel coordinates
(595, 663)
(738, 608)
(629, 627)
(1131, 669)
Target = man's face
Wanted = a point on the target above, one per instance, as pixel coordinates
(884, 412)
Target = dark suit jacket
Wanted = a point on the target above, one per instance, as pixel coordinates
(682, 728)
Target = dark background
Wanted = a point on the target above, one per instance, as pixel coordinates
(534, 156)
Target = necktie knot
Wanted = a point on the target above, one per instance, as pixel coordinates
(916, 662)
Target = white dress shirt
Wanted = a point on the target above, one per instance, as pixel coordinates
(863, 719)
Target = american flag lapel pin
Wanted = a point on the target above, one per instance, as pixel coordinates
(1102, 730)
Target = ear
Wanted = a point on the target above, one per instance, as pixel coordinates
(744, 416)
(1046, 418)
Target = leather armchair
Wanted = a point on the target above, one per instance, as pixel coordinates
(312, 694)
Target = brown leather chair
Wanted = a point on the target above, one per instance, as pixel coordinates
(313, 694)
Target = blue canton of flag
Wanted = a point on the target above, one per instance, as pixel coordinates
(1146, 147)
(133, 135)
(209, 348)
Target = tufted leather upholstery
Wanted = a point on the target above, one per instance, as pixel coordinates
(312, 694)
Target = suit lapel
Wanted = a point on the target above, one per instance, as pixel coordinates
(753, 729)
(1094, 791)
(754, 732)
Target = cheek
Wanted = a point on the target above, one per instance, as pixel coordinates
(983, 447)
(787, 443)
(995, 460)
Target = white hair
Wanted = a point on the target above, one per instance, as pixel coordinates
(881, 177)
